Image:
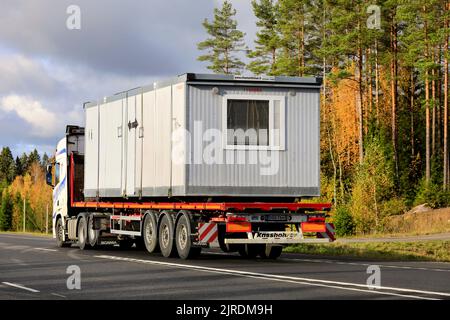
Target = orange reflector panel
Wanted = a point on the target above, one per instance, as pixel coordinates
(314, 227)
(239, 227)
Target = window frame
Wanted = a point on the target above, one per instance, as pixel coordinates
(271, 99)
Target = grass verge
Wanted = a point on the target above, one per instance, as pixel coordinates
(438, 250)
(39, 234)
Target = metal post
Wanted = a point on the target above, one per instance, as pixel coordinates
(24, 216)
(46, 220)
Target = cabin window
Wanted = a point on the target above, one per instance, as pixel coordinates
(253, 122)
(57, 173)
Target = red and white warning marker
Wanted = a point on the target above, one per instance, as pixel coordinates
(329, 233)
(207, 232)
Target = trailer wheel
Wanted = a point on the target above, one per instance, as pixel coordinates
(183, 239)
(126, 244)
(150, 232)
(140, 243)
(249, 250)
(59, 229)
(93, 235)
(166, 237)
(271, 252)
(83, 234)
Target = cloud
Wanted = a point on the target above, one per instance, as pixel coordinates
(48, 71)
(20, 75)
(137, 38)
(41, 120)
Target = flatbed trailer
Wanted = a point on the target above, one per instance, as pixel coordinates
(184, 228)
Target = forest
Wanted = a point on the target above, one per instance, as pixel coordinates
(384, 109)
(22, 186)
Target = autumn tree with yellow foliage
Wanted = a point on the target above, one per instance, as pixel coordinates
(29, 189)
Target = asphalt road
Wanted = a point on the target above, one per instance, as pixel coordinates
(33, 267)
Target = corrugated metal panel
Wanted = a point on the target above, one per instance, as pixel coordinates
(299, 171)
(178, 138)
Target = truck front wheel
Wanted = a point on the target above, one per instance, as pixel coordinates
(59, 229)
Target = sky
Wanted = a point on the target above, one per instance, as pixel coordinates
(48, 71)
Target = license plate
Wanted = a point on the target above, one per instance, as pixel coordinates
(277, 217)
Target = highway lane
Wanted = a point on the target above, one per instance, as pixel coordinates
(33, 268)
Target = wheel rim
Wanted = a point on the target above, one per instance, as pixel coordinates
(81, 236)
(182, 238)
(165, 236)
(92, 233)
(149, 233)
(60, 232)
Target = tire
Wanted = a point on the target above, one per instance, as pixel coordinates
(83, 234)
(126, 244)
(166, 236)
(150, 233)
(93, 235)
(241, 250)
(249, 251)
(59, 230)
(271, 252)
(140, 243)
(183, 239)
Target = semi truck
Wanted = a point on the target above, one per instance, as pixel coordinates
(196, 161)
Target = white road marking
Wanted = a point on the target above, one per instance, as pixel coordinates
(58, 295)
(17, 247)
(45, 249)
(20, 287)
(300, 280)
(345, 263)
(365, 264)
(19, 262)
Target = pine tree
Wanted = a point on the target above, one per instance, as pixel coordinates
(446, 34)
(298, 24)
(23, 163)
(34, 157)
(6, 211)
(348, 43)
(224, 43)
(19, 169)
(45, 160)
(268, 40)
(7, 165)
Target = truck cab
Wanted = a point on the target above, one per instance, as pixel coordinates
(57, 175)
